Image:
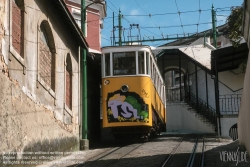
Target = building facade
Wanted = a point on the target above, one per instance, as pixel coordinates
(40, 76)
(95, 13)
(193, 105)
(244, 114)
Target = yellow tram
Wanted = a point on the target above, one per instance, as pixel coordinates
(133, 91)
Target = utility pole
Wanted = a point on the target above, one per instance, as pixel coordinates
(214, 20)
(113, 29)
(120, 27)
(84, 142)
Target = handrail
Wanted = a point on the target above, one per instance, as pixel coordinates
(230, 103)
(210, 111)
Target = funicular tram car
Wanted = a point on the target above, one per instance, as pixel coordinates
(133, 92)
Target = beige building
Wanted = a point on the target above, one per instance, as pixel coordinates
(40, 71)
(244, 113)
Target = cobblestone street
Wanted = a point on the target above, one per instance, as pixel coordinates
(166, 150)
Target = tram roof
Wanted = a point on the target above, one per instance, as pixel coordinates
(126, 48)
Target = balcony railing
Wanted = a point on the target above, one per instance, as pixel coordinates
(230, 104)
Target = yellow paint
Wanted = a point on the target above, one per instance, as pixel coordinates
(143, 86)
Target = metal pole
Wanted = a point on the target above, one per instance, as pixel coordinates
(84, 144)
(204, 39)
(214, 27)
(113, 28)
(196, 83)
(206, 89)
(120, 28)
(216, 89)
(180, 75)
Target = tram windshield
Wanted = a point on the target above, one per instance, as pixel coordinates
(124, 63)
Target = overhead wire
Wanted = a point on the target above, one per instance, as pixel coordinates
(199, 16)
(179, 16)
(170, 13)
(182, 25)
(149, 17)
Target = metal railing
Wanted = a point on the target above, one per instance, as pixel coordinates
(230, 104)
(173, 94)
(202, 108)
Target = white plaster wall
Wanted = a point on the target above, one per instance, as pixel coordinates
(179, 119)
(223, 89)
(174, 118)
(202, 86)
(244, 113)
(226, 124)
(227, 77)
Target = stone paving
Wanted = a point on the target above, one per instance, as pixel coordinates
(221, 152)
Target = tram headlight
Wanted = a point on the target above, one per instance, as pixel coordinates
(106, 82)
(124, 88)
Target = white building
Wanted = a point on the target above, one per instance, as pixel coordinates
(193, 108)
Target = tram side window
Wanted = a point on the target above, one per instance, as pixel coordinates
(141, 62)
(107, 64)
(155, 77)
(124, 63)
(153, 73)
(147, 63)
(151, 65)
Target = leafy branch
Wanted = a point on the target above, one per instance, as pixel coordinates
(234, 22)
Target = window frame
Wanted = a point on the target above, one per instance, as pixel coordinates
(20, 57)
(125, 68)
(53, 54)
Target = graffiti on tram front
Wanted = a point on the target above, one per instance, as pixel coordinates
(126, 107)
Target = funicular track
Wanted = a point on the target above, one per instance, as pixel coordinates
(165, 151)
(195, 159)
(111, 157)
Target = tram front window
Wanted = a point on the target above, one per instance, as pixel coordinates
(107, 64)
(141, 62)
(124, 63)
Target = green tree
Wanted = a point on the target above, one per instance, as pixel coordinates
(234, 22)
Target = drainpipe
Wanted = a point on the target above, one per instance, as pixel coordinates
(84, 142)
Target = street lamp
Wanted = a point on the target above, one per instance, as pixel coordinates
(84, 143)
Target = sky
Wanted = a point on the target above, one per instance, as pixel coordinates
(163, 18)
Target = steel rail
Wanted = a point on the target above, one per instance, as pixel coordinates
(172, 152)
(89, 163)
(203, 154)
(115, 161)
(192, 156)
